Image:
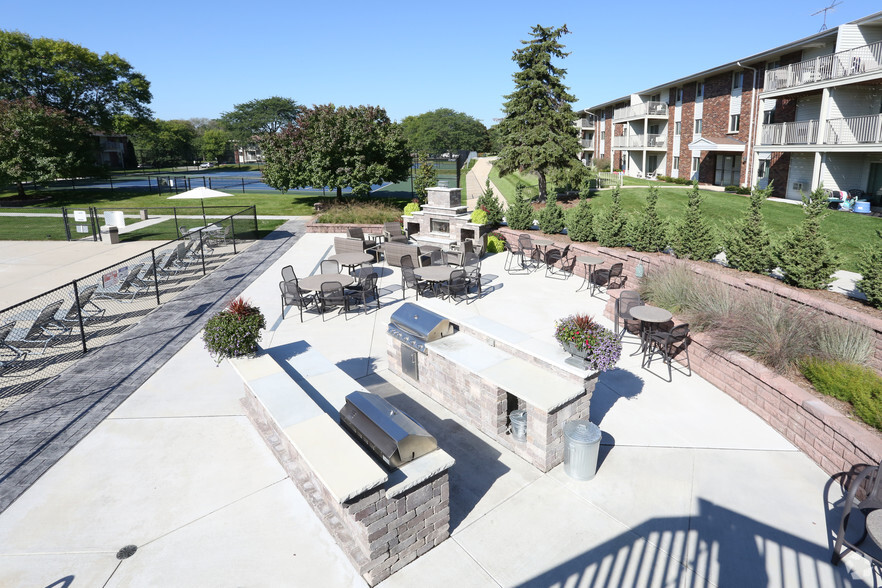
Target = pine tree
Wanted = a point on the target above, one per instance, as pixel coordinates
(648, 231)
(580, 221)
(693, 237)
(747, 243)
(537, 133)
(611, 224)
(551, 217)
(490, 203)
(424, 177)
(804, 254)
(520, 212)
(870, 266)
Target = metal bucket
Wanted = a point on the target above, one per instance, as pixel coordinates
(518, 424)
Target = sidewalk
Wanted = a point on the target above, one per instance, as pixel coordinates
(476, 182)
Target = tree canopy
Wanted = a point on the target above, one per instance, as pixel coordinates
(537, 133)
(445, 130)
(337, 147)
(65, 76)
(259, 117)
(40, 143)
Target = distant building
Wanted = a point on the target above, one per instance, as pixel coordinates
(248, 154)
(111, 149)
(802, 114)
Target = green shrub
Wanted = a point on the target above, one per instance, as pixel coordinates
(611, 225)
(580, 221)
(860, 386)
(647, 231)
(693, 237)
(747, 242)
(551, 217)
(490, 203)
(519, 215)
(743, 190)
(360, 213)
(804, 254)
(601, 163)
(411, 208)
(479, 216)
(495, 243)
(870, 266)
(731, 188)
(235, 331)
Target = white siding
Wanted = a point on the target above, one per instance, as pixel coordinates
(808, 108)
(848, 37)
(845, 171)
(854, 101)
(871, 34)
(801, 165)
(812, 52)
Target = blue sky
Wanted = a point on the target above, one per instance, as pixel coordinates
(411, 57)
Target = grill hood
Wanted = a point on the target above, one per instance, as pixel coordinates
(417, 326)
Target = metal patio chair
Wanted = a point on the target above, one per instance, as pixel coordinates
(127, 288)
(88, 309)
(329, 266)
(292, 295)
(46, 328)
(869, 484)
(603, 278)
(331, 296)
(456, 285)
(365, 288)
(410, 280)
(9, 354)
(669, 344)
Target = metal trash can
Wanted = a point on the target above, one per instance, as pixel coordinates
(518, 424)
(581, 447)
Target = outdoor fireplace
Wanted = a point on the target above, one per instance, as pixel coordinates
(443, 221)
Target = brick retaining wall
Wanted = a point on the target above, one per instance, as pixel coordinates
(314, 227)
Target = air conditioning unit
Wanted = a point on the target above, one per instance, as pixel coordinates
(797, 185)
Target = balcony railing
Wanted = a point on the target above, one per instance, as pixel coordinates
(587, 143)
(854, 130)
(790, 133)
(586, 122)
(645, 109)
(640, 142)
(865, 59)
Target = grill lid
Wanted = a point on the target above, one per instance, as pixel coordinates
(392, 435)
(421, 323)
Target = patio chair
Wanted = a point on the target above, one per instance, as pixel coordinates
(329, 266)
(559, 263)
(627, 300)
(456, 285)
(409, 280)
(184, 230)
(436, 257)
(869, 484)
(45, 328)
(511, 254)
(8, 353)
(669, 344)
(219, 237)
(527, 251)
(88, 309)
(392, 232)
(127, 288)
(288, 274)
(166, 267)
(365, 287)
(472, 266)
(292, 295)
(332, 295)
(604, 277)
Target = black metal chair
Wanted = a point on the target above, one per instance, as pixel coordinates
(436, 257)
(605, 277)
(559, 263)
(527, 251)
(669, 344)
(456, 285)
(409, 280)
(472, 266)
(627, 300)
(365, 288)
(869, 484)
(288, 274)
(292, 295)
(331, 296)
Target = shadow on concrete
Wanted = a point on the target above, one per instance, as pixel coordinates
(611, 386)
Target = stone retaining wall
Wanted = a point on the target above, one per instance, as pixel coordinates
(314, 227)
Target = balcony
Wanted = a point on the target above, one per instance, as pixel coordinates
(640, 142)
(854, 130)
(860, 60)
(790, 133)
(647, 109)
(587, 144)
(586, 122)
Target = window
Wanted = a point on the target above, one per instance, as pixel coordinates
(699, 89)
(769, 117)
(697, 126)
(677, 129)
(736, 79)
(763, 170)
(676, 162)
(695, 162)
(679, 94)
(602, 136)
(655, 98)
(734, 123)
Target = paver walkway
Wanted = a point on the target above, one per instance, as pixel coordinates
(38, 430)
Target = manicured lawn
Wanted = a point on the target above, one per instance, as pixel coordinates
(166, 230)
(25, 228)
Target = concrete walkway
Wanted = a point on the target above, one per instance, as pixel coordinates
(476, 182)
(692, 488)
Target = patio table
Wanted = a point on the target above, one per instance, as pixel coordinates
(648, 317)
(590, 262)
(874, 526)
(351, 260)
(434, 274)
(314, 283)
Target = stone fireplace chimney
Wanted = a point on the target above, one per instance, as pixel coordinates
(443, 221)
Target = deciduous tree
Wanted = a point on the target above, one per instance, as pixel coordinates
(444, 130)
(259, 117)
(537, 133)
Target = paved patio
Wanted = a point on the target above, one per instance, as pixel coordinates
(692, 489)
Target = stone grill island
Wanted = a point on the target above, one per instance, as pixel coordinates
(442, 222)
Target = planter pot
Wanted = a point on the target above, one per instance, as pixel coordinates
(578, 357)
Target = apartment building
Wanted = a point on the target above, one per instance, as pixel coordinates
(801, 115)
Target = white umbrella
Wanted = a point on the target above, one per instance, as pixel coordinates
(200, 192)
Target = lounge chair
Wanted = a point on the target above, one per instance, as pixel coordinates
(392, 232)
(129, 287)
(88, 309)
(45, 328)
(9, 354)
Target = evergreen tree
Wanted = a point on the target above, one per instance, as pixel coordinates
(490, 203)
(580, 221)
(424, 177)
(693, 237)
(747, 243)
(870, 266)
(610, 225)
(537, 133)
(804, 254)
(648, 231)
(519, 215)
(551, 217)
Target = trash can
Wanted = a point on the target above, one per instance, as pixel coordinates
(581, 447)
(518, 424)
(113, 235)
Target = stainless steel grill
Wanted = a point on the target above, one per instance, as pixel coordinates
(415, 326)
(392, 435)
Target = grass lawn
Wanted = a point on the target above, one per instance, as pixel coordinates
(25, 228)
(166, 231)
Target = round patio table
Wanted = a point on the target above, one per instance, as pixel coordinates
(874, 526)
(434, 274)
(314, 283)
(590, 262)
(648, 316)
(543, 243)
(351, 260)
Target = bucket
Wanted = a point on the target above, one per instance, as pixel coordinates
(518, 424)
